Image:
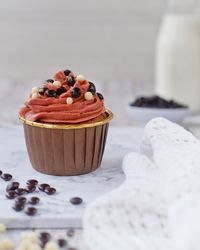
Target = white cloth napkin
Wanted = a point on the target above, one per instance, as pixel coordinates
(158, 206)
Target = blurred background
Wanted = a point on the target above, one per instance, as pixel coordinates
(111, 42)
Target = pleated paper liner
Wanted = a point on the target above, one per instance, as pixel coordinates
(66, 149)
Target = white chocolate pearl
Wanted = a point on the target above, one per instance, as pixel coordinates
(34, 90)
(30, 237)
(6, 244)
(88, 96)
(34, 247)
(24, 245)
(57, 84)
(51, 246)
(2, 228)
(80, 78)
(34, 95)
(27, 245)
(69, 100)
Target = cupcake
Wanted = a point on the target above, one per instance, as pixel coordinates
(65, 125)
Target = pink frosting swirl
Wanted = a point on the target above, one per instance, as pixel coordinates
(59, 104)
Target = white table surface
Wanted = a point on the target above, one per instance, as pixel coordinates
(55, 212)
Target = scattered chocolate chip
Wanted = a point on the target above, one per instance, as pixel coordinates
(50, 190)
(67, 72)
(43, 186)
(51, 93)
(75, 92)
(76, 200)
(30, 189)
(42, 91)
(71, 80)
(18, 206)
(12, 186)
(44, 238)
(61, 90)
(30, 211)
(20, 191)
(50, 80)
(34, 200)
(100, 96)
(92, 88)
(6, 177)
(62, 242)
(70, 232)
(1, 172)
(32, 182)
(21, 200)
(11, 194)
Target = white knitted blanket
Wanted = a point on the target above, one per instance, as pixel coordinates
(158, 206)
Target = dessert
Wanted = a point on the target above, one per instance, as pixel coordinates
(65, 124)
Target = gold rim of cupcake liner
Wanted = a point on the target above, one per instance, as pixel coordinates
(69, 126)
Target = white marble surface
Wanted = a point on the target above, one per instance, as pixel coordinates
(56, 211)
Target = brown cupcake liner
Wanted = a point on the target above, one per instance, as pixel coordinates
(66, 149)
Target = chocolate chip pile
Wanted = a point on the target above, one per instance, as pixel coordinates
(17, 193)
(156, 102)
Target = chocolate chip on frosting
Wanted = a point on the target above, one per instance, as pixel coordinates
(88, 96)
(50, 80)
(67, 72)
(51, 93)
(71, 80)
(42, 91)
(100, 96)
(69, 100)
(57, 84)
(61, 90)
(80, 78)
(92, 88)
(76, 92)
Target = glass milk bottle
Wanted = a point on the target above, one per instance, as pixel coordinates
(178, 54)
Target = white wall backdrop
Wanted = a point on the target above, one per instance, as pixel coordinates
(109, 41)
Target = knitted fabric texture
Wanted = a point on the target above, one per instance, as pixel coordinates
(157, 207)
